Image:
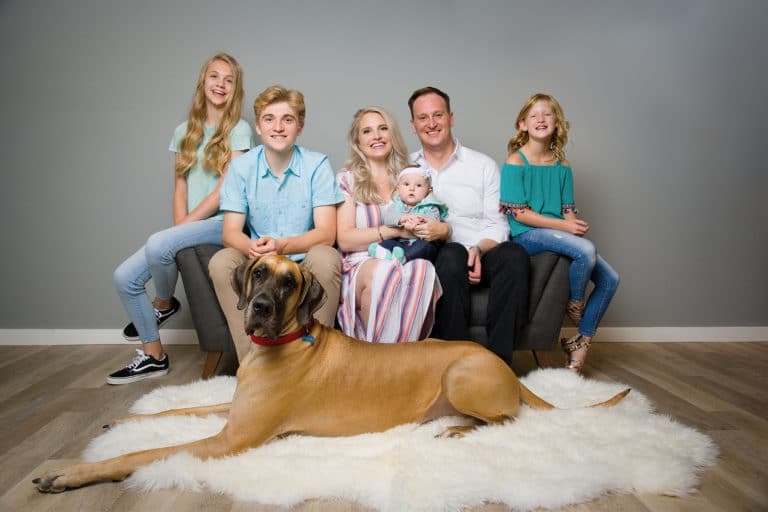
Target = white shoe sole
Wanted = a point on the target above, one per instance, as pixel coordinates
(127, 380)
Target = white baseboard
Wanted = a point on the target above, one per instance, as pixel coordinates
(189, 336)
(87, 337)
(676, 334)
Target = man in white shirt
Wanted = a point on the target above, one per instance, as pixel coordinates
(476, 250)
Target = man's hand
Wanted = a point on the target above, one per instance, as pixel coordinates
(474, 265)
(262, 246)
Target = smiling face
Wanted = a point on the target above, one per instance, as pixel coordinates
(278, 126)
(219, 83)
(412, 188)
(432, 121)
(373, 136)
(540, 121)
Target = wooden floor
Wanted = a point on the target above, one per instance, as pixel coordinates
(53, 400)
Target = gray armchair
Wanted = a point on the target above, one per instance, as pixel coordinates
(207, 317)
(549, 295)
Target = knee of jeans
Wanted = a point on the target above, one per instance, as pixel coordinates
(123, 278)
(157, 251)
(588, 252)
(119, 277)
(614, 279)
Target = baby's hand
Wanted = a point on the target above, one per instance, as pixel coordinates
(409, 221)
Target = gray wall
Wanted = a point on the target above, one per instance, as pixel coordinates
(665, 99)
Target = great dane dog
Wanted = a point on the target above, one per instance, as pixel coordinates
(304, 378)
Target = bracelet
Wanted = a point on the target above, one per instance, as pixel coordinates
(475, 247)
(381, 238)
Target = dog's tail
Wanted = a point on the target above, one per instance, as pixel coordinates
(618, 397)
(531, 399)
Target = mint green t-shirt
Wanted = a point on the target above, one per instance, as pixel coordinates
(200, 181)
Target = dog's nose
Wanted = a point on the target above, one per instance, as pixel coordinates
(262, 305)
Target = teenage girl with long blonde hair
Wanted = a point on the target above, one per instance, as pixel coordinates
(204, 145)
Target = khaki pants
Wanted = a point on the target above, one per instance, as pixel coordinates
(322, 260)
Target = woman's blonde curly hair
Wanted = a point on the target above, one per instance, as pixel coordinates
(364, 190)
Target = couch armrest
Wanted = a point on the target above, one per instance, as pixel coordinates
(550, 289)
(210, 323)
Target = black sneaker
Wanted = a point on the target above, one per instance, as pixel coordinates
(131, 334)
(142, 367)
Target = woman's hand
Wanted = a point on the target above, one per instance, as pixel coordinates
(431, 230)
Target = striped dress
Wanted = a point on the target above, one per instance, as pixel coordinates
(403, 296)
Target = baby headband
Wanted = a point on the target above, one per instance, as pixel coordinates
(414, 169)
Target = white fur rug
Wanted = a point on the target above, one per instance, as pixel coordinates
(543, 459)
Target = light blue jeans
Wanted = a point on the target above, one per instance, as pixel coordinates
(586, 265)
(156, 260)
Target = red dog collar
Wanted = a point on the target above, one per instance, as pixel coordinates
(285, 338)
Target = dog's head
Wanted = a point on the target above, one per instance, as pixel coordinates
(277, 295)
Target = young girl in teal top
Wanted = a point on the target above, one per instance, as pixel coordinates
(203, 146)
(537, 196)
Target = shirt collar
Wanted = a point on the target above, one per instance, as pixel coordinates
(458, 154)
(294, 167)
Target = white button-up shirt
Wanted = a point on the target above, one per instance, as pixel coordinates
(469, 184)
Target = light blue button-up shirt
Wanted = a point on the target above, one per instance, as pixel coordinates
(276, 208)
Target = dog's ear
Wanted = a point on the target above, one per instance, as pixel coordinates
(242, 282)
(311, 298)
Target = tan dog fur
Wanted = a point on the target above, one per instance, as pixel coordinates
(334, 386)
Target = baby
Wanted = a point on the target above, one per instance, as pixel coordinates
(412, 204)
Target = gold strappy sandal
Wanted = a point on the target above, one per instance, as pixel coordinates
(575, 310)
(571, 345)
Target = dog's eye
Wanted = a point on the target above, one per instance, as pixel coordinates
(289, 282)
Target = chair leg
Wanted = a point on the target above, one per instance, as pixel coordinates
(211, 363)
(548, 358)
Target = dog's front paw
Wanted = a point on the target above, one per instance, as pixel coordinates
(49, 484)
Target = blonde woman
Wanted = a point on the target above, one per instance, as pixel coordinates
(204, 145)
(382, 300)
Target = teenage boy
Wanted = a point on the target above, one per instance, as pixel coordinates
(476, 251)
(286, 195)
